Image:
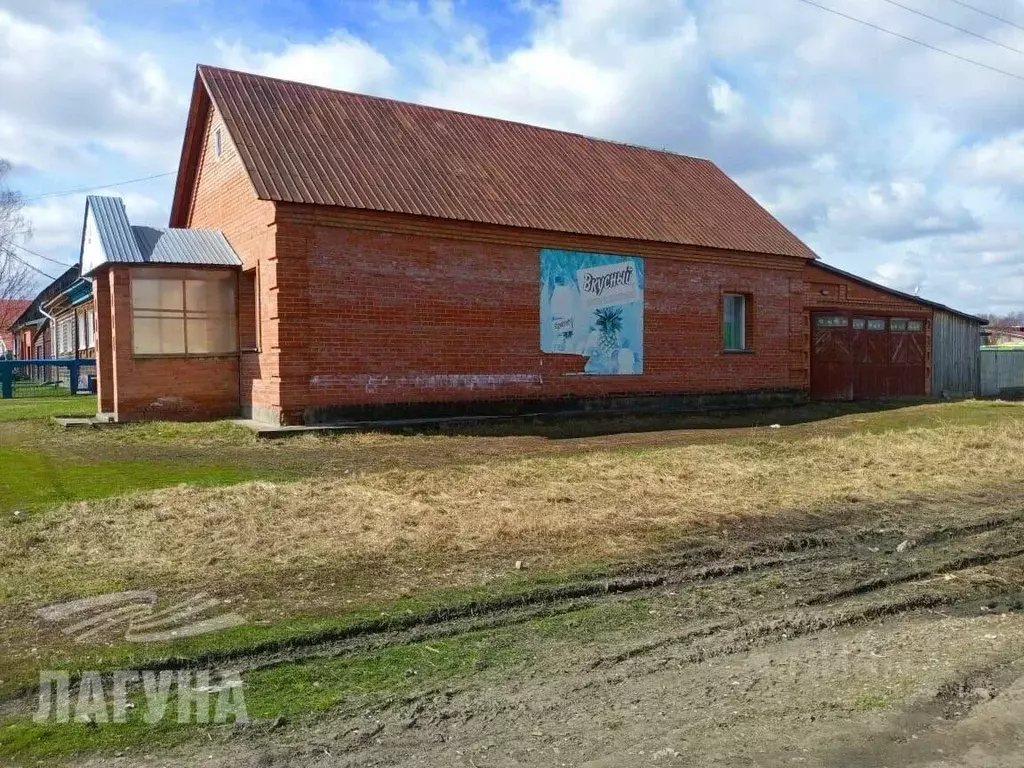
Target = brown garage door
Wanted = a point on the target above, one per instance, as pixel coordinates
(861, 357)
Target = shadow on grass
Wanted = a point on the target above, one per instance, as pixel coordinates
(557, 426)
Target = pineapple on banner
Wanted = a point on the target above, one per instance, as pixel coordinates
(592, 304)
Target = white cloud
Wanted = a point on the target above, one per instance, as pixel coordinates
(907, 274)
(629, 71)
(902, 209)
(997, 161)
(340, 61)
(68, 91)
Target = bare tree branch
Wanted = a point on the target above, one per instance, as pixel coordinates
(16, 279)
(1005, 320)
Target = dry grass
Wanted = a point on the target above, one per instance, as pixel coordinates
(564, 508)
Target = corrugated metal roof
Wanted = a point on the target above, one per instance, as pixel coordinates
(32, 313)
(114, 229)
(124, 243)
(162, 245)
(305, 144)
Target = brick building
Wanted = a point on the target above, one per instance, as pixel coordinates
(391, 259)
(10, 311)
(33, 335)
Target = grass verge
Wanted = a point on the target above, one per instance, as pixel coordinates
(22, 408)
(39, 480)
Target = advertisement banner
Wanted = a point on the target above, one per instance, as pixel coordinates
(592, 304)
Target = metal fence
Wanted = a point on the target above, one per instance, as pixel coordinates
(47, 378)
(1002, 372)
(955, 359)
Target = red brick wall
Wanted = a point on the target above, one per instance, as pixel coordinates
(223, 198)
(375, 316)
(155, 388)
(106, 382)
(826, 290)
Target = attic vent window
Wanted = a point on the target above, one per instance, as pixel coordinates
(218, 147)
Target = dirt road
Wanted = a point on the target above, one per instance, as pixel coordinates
(847, 647)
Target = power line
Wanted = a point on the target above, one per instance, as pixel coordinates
(954, 26)
(915, 41)
(100, 186)
(983, 12)
(39, 255)
(34, 268)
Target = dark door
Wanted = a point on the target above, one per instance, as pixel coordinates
(906, 357)
(870, 344)
(831, 357)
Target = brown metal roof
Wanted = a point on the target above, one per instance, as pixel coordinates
(305, 144)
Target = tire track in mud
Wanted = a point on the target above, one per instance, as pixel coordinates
(982, 526)
(630, 581)
(768, 631)
(926, 539)
(784, 625)
(958, 564)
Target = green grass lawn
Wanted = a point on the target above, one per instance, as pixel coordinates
(41, 480)
(22, 408)
(45, 467)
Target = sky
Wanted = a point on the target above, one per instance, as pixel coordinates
(890, 159)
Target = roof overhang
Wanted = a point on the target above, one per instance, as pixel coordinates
(886, 289)
(191, 151)
(76, 294)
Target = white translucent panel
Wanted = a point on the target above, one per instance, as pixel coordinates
(146, 293)
(210, 295)
(198, 337)
(225, 297)
(226, 331)
(211, 336)
(178, 316)
(200, 295)
(158, 335)
(157, 294)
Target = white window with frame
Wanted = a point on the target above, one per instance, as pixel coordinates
(90, 329)
(82, 339)
(65, 336)
(734, 322)
(190, 315)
